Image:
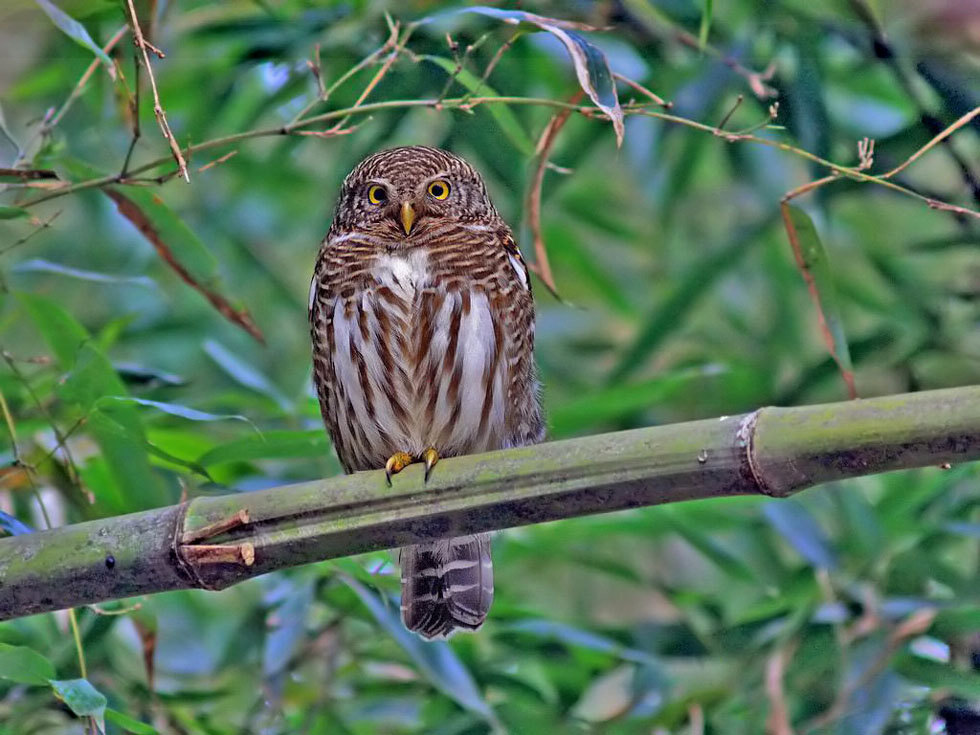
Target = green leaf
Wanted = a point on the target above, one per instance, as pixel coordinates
(129, 724)
(270, 445)
(619, 401)
(173, 409)
(39, 265)
(705, 23)
(243, 373)
(24, 665)
(692, 286)
(59, 329)
(76, 31)
(801, 530)
(13, 526)
(811, 259)
(116, 426)
(708, 545)
(937, 675)
(510, 126)
(578, 637)
(435, 659)
(591, 66)
(82, 698)
(12, 212)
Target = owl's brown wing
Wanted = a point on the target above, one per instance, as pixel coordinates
(321, 313)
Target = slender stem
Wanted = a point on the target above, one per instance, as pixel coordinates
(73, 619)
(466, 103)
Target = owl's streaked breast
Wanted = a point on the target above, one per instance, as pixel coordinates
(417, 364)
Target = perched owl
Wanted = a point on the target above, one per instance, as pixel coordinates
(423, 335)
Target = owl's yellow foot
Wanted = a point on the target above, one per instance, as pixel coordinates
(431, 456)
(400, 460)
(396, 463)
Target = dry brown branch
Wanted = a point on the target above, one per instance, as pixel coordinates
(145, 47)
(939, 138)
(777, 722)
(131, 211)
(643, 90)
(794, 239)
(215, 162)
(541, 266)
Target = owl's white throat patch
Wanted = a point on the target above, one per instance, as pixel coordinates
(406, 273)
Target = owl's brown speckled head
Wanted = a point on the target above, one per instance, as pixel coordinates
(401, 193)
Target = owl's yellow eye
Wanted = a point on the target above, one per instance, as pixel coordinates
(438, 189)
(377, 195)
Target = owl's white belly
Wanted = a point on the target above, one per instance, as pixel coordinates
(417, 366)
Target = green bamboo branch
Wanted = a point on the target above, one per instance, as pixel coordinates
(215, 542)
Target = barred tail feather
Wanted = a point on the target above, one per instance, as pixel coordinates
(447, 585)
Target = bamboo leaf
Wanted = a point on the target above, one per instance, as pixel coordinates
(24, 665)
(129, 724)
(82, 698)
(13, 526)
(795, 524)
(576, 637)
(89, 376)
(705, 26)
(12, 212)
(76, 31)
(270, 445)
(435, 659)
(692, 287)
(591, 65)
(811, 259)
(173, 409)
(39, 265)
(939, 676)
(59, 329)
(243, 373)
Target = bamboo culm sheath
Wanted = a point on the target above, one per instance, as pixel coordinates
(215, 542)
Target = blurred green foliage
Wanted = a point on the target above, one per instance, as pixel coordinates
(850, 610)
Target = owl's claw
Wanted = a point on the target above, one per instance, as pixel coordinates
(400, 460)
(431, 456)
(396, 463)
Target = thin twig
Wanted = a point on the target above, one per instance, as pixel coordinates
(217, 161)
(493, 64)
(145, 47)
(645, 92)
(83, 80)
(468, 102)
(777, 722)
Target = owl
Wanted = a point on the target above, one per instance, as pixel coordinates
(422, 324)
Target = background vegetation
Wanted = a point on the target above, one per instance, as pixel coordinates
(132, 373)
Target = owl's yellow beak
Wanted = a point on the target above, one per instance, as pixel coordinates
(407, 216)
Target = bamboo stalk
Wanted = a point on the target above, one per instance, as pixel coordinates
(773, 451)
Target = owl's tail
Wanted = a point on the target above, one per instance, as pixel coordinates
(446, 585)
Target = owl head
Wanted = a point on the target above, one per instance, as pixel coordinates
(402, 194)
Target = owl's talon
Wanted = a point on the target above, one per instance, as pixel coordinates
(396, 463)
(431, 456)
